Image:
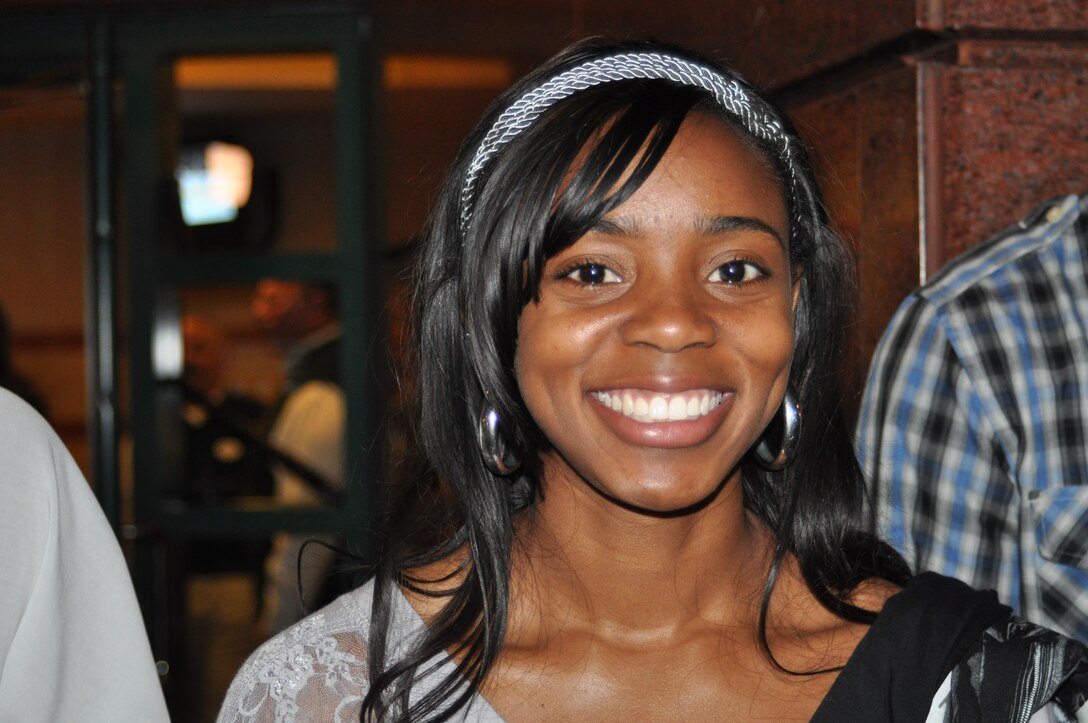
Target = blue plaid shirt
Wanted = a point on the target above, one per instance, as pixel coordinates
(974, 426)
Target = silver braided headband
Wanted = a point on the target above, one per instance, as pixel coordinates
(729, 94)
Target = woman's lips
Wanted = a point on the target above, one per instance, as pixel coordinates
(664, 420)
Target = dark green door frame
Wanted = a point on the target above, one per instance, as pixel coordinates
(146, 47)
(129, 50)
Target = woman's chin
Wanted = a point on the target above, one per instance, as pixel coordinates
(666, 500)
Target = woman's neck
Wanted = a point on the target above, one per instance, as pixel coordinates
(583, 561)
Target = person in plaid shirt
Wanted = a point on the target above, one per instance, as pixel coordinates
(974, 426)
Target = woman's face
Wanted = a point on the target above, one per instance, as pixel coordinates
(660, 347)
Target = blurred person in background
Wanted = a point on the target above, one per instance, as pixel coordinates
(225, 427)
(225, 452)
(307, 435)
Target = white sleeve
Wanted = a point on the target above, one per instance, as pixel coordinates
(310, 428)
(72, 641)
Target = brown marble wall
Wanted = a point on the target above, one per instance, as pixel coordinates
(782, 41)
(933, 125)
(773, 42)
(1007, 131)
(863, 140)
(424, 129)
(1030, 15)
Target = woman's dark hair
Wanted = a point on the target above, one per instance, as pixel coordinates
(535, 196)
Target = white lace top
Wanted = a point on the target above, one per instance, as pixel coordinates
(316, 669)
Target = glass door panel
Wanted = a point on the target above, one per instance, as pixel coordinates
(247, 171)
(254, 152)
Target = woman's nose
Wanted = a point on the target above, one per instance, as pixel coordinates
(668, 317)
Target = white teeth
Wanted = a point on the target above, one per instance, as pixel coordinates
(661, 407)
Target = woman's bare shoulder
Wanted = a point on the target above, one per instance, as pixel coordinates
(871, 594)
(428, 587)
(806, 635)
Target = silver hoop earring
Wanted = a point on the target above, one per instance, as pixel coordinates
(498, 457)
(791, 432)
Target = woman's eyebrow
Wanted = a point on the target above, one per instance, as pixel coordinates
(613, 227)
(726, 224)
(710, 227)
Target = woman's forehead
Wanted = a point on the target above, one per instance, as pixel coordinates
(709, 171)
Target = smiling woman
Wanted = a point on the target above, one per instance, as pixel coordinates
(627, 302)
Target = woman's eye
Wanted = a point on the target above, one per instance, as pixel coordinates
(592, 275)
(736, 272)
